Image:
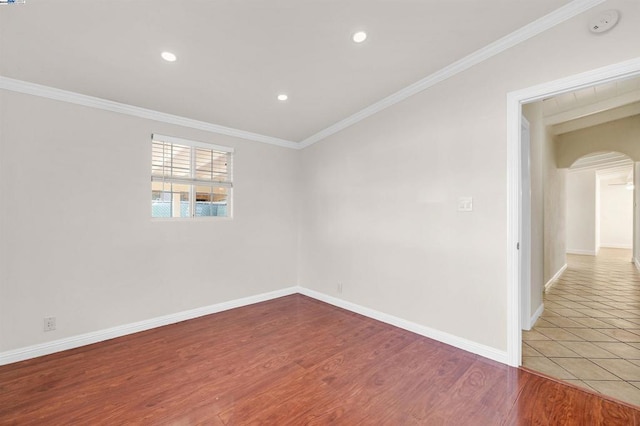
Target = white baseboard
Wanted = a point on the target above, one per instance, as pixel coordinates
(554, 278)
(582, 252)
(616, 246)
(535, 316)
(636, 262)
(47, 348)
(450, 339)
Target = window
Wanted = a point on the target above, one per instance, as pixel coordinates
(189, 179)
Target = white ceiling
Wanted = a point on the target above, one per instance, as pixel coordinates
(235, 56)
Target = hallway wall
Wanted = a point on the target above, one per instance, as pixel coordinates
(555, 211)
(533, 113)
(618, 135)
(616, 215)
(548, 206)
(636, 217)
(581, 212)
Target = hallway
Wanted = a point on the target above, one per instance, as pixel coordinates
(589, 333)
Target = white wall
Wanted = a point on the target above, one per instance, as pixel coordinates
(616, 215)
(548, 215)
(555, 210)
(618, 135)
(581, 212)
(533, 114)
(379, 213)
(377, 206)
(78, 242)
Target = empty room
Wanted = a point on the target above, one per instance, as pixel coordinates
(291, 212)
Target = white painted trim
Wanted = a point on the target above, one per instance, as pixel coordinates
(515, 100)
(514, 290)
(450, 339)
(582, 252)
(123, 330)
(525, 234)
(181, 141)
(532, 29)
(554, 278)
(535, 316)
(595, 115)
(536, 27)
(107, 105)
(637, 263)
(617, 246)
(72, 342)
(606, 74)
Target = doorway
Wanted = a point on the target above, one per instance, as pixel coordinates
(589, 332)
(515, 100)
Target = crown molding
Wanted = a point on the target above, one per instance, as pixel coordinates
(530, 30)
(626, 69)
(536, 27)
(107, 105)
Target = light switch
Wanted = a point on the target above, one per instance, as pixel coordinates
(465, 204)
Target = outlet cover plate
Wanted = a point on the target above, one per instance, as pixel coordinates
(465, 204)
(49, 323)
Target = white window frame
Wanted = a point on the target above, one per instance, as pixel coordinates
(193, 182)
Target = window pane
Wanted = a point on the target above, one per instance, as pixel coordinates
(221, 167)
(211, 201)
(189, 180)
(181, 161)
(170, 160)
(204, 161)
(212, 165)
(169, 200)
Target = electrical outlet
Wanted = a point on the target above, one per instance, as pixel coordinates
(339, 288)
(49, 323)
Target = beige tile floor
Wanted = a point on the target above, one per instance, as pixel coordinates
(589, 333)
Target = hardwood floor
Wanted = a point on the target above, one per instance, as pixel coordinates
(292, 360)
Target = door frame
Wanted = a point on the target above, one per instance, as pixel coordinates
(525, 217)
(515, 100)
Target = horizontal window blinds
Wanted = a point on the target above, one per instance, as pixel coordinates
(180, 161)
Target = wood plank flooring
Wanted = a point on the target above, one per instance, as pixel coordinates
(288, 361)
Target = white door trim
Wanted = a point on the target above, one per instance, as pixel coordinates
(515, 100)
(525, 227)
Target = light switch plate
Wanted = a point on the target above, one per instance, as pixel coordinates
(465, 204)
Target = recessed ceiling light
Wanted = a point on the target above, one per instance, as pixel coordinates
(282, 97)
(168, 56)
(359, 37)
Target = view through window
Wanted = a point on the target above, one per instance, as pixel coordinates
(189, 179)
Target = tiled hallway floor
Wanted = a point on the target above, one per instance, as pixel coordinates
(589, 333)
